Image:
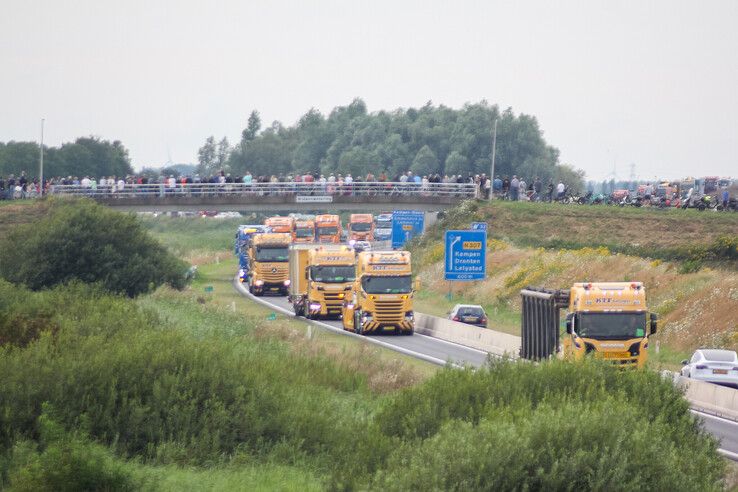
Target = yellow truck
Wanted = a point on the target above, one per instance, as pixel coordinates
(268, 267)
(381, 298)
(608, 320)
(320, 279)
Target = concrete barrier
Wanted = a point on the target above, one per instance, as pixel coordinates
(494, 342)
(711, 398)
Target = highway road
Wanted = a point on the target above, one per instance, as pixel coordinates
(441, 352)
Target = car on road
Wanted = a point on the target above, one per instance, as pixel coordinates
(712, 365)
(471, 314)
(360, 246)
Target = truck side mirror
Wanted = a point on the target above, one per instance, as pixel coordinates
(654, 322)
(416, 284)
(570, 323)
(685, 362)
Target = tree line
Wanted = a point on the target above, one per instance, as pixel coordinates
(429, 140)
(86, 156)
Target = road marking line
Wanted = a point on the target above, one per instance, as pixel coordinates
(418, 355)
(716, 417)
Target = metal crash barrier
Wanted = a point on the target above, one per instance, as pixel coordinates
(540, 322)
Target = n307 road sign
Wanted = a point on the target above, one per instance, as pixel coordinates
(465, 257)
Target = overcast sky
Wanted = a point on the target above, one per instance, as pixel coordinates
(612, 83)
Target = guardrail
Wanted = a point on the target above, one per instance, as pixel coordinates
(494, 342)
(365, 189)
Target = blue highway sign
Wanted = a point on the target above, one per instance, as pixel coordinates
(465, 257)
(406, 224)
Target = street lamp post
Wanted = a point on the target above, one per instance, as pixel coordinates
(41, 160)
(492, 168)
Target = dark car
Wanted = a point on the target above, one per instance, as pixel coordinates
(470, 314)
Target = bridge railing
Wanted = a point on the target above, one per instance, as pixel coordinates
(366, 189)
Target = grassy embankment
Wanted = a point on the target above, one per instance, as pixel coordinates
(688, 261)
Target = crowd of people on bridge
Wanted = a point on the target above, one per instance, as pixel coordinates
(516, 188)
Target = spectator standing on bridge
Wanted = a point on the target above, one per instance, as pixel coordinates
(726, 199)
(550, 191)
(537, 188)
(514, 188)
(121, 185)
(522, 190)
(497, 185)
(560, 190)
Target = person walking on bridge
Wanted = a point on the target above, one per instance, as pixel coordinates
(514, 188)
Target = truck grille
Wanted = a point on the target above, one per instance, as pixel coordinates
(332, 299)
(274, 277)
(388, 311)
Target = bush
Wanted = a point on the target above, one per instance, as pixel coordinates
(572, 446)
(80, 240)
(66, 462)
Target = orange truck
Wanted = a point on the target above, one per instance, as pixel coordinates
(328, 228)
(361, 227)
(280, 224)
(304, 231)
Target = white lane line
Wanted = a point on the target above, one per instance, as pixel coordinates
(715, 417)
(447, 342)
(418, 355)
(724, 452)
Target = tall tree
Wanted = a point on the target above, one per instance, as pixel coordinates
(206, 157)
(222, 153)
(253, 125)
(425, 162)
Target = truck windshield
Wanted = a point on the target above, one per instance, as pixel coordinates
(333, 274)
(611, 325)
(276, 253)
(327, 231)
(304, 232)
(361, 226)
(387, 285)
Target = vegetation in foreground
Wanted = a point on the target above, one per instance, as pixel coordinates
(120, 393)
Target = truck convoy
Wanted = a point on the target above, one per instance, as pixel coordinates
(361, 227)
(320, 278)
(609, 320)
(381, 297)
(267, 261)
(304, 231)
(328, 228)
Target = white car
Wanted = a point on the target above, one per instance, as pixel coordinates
(712, 365)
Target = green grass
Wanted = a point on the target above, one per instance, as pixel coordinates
(186, 235)
(665, 234)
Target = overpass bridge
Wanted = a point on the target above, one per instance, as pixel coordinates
(281, 197)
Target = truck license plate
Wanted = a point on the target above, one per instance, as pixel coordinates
(720, 371)
(616, 355)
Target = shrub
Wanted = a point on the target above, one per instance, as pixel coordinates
(80, 240)
(66, 462)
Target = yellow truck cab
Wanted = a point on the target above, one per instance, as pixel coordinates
(381, 298)
(361, 227)
(320, 278)
(609, 320)
(268, 256)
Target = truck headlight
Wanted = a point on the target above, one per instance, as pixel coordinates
(258, 283)
(286, 283)
(315, 306)
(341, 295)
(366, 316)
(409, 316)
